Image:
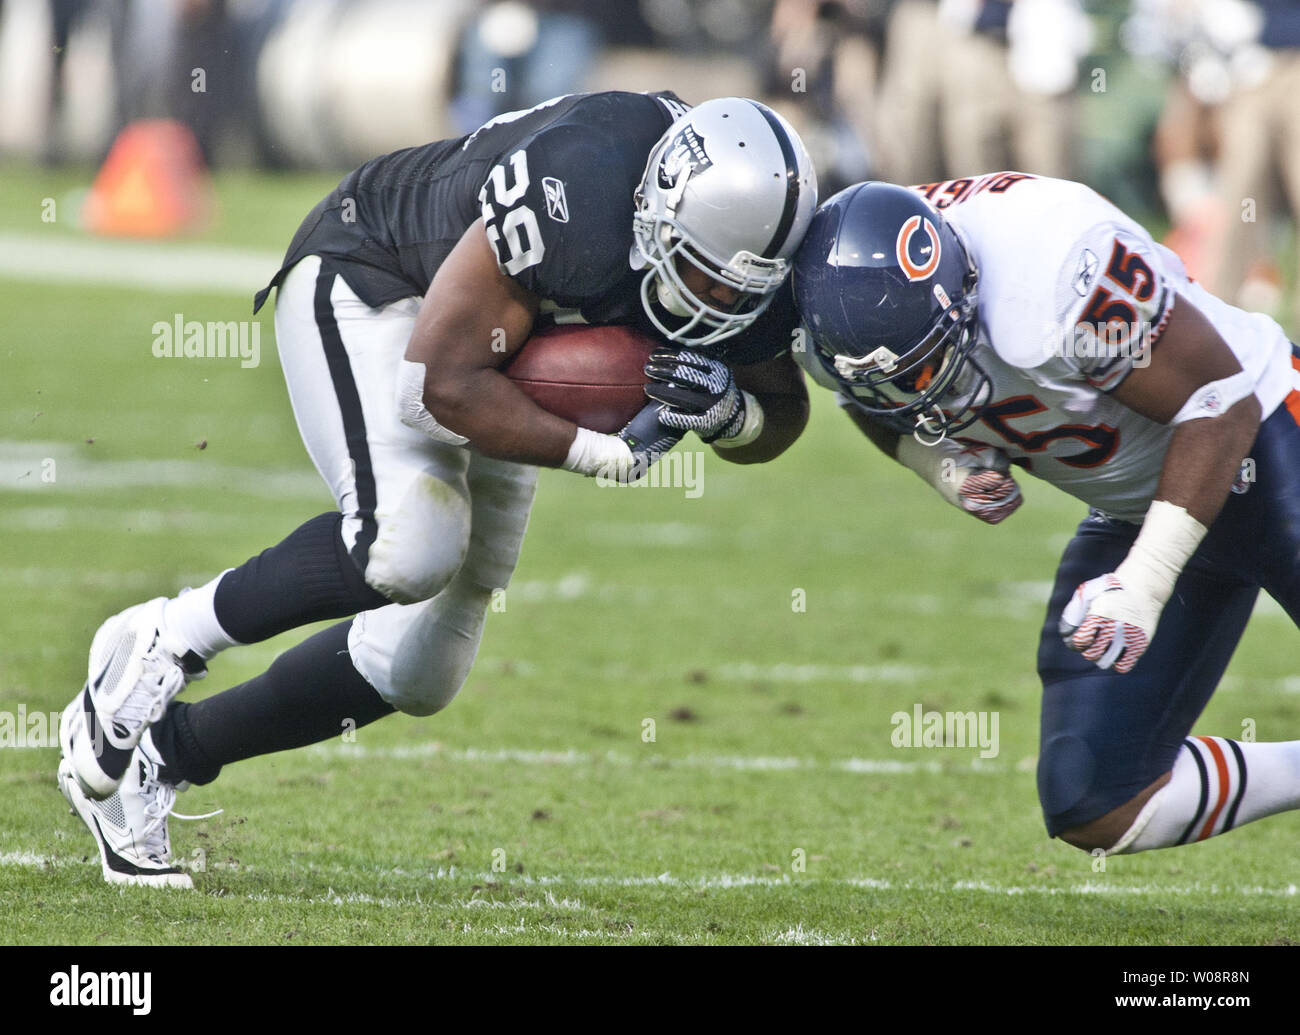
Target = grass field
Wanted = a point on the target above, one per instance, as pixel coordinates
(770, 806)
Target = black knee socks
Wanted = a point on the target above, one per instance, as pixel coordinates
(308, 577)
(306, 696)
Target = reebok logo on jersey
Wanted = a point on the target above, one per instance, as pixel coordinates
(1086, 273)
(557, 205)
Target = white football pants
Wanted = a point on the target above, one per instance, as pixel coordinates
(430, 525)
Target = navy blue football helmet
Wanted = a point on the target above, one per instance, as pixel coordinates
(887, 291)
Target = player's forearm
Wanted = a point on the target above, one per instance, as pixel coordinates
(499, 420)
(784, 418)
(1204, 457)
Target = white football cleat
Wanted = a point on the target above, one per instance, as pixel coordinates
(132, 678)
(130, 825)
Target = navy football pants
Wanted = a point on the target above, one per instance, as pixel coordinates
(1107, 736)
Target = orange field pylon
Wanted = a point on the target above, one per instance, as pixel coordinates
(152, 184)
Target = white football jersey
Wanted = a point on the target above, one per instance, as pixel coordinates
(1071, 294)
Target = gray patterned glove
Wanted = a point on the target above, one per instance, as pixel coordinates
(697, 394)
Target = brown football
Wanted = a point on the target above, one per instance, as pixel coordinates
(592, 376)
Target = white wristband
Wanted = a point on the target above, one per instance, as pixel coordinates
(1162, 549)
(749, 430)
(411, 409)
(593, 453)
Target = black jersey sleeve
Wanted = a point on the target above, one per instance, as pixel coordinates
(772, 334)
(558, 213)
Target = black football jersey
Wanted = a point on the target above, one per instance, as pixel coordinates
(554, 186)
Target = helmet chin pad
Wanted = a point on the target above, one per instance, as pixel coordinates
(670, 298)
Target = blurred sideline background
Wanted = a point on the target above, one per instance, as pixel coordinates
(1180, 111)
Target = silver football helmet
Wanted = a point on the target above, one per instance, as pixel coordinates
(730, 189)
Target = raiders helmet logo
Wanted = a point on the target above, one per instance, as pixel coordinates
(684, 151)
(917, 256)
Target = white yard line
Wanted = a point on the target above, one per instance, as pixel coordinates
(958, 759)
(790, 672)
(454, 876)
(144, 265)
(23, 467)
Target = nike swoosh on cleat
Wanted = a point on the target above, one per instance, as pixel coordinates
(120, 865)
(112, 759)
(115, 861)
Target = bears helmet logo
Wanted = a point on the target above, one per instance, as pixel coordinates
(907, 240)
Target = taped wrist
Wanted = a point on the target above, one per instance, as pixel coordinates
(749, 430)
(1162, 549)
(593, 453)
(411, 409)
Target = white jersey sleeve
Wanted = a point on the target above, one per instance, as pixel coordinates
(1113, 300)
(1073, 296)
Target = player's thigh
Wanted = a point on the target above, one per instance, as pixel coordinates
(403, 496)
(501, 499)
(417, 656)
(1106, 736)
(1265, 518)
(307, 376)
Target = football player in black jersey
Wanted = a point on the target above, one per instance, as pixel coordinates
(400, 298)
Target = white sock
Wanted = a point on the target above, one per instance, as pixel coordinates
(190, 621)
(1217, 785)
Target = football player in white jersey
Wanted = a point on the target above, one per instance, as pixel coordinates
(1011, 319)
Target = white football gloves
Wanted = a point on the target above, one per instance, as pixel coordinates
(1112, 618)
(1109, 622)
(976, 479)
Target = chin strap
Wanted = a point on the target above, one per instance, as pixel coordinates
(923, 423)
